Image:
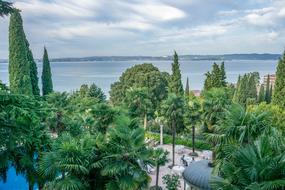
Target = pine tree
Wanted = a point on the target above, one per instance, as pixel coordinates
(267, 91)
(175, 83)
(46, 75)
(279, 89)
(261, 95)
(19, 66)
(187, 89)
(33, 71)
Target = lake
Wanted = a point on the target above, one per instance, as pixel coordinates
(68, 76)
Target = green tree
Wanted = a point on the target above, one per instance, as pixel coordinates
(6, 8)
(96, 92)
(47, 86)
(279, 89)
(69, 163)
(175, 85)
(216, 78)
(187, 89)
(124, 155)
(261, 95)
(172, 110)
(33, 71)
(19, 65)
(246, 91)
(267, 91)
(223, 75)
(159, 159)
(141, 76)
(258, 165)
(139, 103)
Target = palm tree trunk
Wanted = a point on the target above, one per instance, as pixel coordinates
(145, 121)
(157, 175)
(173, 142)
(193, 138)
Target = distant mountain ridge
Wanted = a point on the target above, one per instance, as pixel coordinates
(252, 56)
(255, 56)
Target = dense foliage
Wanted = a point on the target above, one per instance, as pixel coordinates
(19, 65)
(279, 90)
(80, 140)
(175, 84)
(5, 8)
(216, 78)
(140, 76)
(47, 86)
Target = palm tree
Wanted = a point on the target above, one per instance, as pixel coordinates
(5, 8)
(172, 109)
(68, 164)
(255, 166)
(238, 128)
(124, 156)
(160, 159)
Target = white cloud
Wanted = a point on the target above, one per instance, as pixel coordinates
(159, 12)
(282, 12)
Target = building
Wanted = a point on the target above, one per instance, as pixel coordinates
(272, 78)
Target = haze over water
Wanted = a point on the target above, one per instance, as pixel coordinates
(68, 76)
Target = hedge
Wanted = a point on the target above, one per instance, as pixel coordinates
(167, 139)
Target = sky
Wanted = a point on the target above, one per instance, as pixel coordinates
(73, 28)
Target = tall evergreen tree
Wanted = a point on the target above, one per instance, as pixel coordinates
(216, 78)
(261, 94)
(46, 75)
(187, 89)
(279, 89)
(175, 83)
(19, 65)
(246, 89)
(270, 93)
(267, 91)
(223, 75)
(251, 87)
(6, 8)
(33, 71)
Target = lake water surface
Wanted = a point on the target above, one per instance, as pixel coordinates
(68, 76)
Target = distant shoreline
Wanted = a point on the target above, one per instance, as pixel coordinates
(224, 57)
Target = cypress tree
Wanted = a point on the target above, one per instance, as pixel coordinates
(46, 75)
(279, 89)
(267, 91)
(270, 93)
(251, 87)
(208, 81)
(261, 94)
(19, 66)
(33, 71)
(187, 89)
(175, 83)
(223, 75)
(216, 76)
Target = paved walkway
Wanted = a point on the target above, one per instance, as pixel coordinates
(164, 170)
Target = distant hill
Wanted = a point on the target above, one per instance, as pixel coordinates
(253, 56)
(265, 56)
